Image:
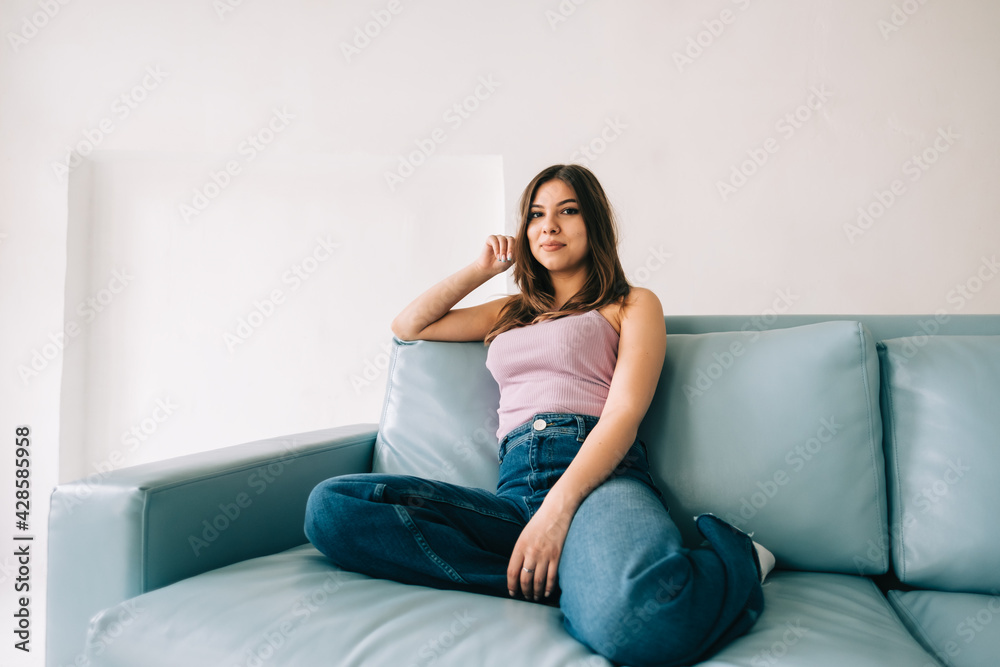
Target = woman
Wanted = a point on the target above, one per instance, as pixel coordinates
(576, 520)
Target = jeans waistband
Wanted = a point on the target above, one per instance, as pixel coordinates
(583, 423)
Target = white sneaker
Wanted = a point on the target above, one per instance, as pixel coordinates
(766, 559)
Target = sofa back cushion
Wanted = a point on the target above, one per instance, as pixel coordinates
(439, 416)
(778, 432)
(941, 407)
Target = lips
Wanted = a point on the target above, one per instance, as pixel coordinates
(553, 246)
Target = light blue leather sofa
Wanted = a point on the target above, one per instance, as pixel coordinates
(864, 451)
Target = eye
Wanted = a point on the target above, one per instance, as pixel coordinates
(534, 214)
(571, 211)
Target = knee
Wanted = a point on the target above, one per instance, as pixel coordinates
(647, 626)
(610, 628)
(325, 512)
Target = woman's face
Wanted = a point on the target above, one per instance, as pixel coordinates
(556, 232)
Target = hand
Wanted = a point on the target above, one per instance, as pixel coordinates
(538, 548)
(497, 254)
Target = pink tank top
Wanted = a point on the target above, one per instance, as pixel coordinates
(560, 365)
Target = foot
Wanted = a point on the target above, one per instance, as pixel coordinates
(766, 559)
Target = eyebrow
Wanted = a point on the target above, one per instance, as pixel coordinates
(564, 201)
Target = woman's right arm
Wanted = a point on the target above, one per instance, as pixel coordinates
(433, 316)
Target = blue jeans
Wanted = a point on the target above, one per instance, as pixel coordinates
(627, 587)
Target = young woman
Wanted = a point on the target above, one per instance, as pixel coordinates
(576, 519)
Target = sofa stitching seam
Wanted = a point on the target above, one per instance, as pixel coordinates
(871, 435)
(144, 545)
(881, 596)
(890, 406)
(914, 627)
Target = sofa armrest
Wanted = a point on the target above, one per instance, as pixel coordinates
(147, 526)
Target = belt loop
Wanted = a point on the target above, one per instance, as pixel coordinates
(581, 429)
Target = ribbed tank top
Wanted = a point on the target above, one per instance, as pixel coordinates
(556, 365)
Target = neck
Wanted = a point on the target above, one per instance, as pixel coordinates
(566, 285)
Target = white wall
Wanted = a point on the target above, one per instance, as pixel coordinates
(894, 76)
(221, 299)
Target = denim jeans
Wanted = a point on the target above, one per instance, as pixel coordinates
(627, 587)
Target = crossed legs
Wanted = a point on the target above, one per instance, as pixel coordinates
(628, 589)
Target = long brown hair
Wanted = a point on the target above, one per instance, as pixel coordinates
(606, 282)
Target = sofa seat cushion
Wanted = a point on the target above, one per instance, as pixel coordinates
(824, 620)
(940, 404)
(294, 608)
(961, 629)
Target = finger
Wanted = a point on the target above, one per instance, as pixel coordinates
(553, 573)
(533, 582)
(501, 250)
(513, 581)
(528, 582)
(504, 249)
(541, 575)
(514, 573)
(550, 582)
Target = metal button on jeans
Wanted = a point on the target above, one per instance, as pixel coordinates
(539, 424)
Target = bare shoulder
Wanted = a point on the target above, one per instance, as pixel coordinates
(640, 306)
(643, 299)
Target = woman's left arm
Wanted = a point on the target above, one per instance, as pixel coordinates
(641, 348)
